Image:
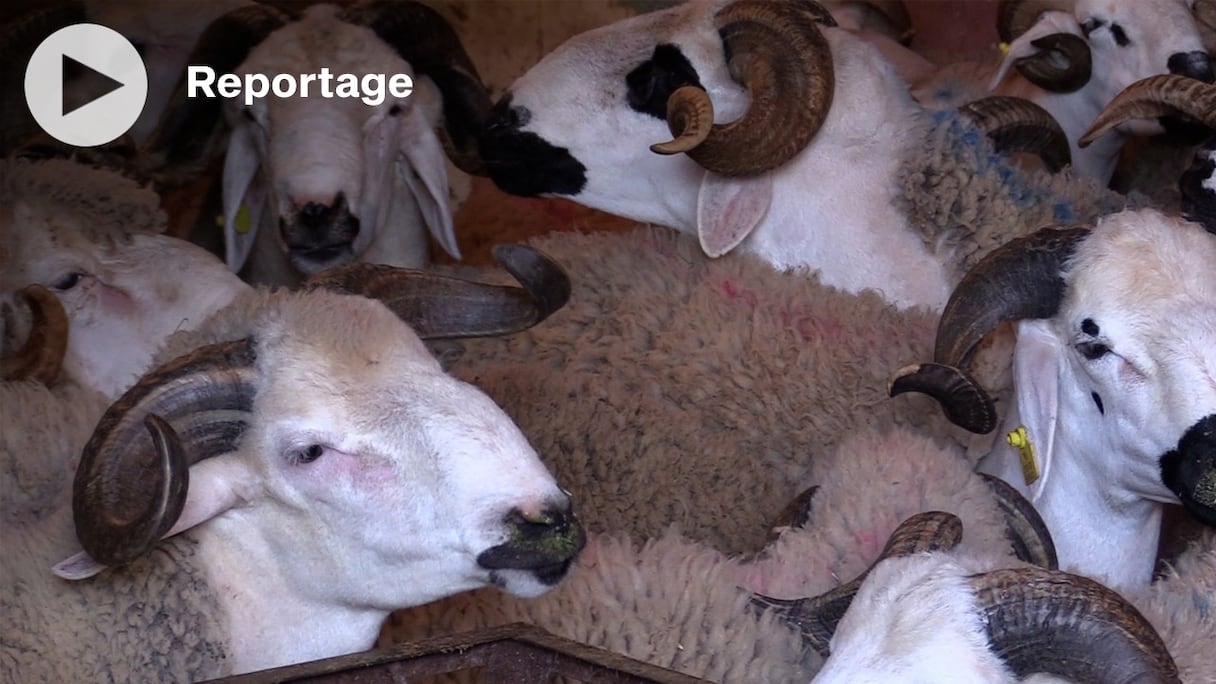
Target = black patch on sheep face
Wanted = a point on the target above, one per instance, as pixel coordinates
(1098, 402)
(521, 162)
(1189, 471)
(318, 236)
(1198, 202)
(650, 84)
(1197, 65)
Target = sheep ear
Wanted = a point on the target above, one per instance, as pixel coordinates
(1038, 360)
(244, 197)
(426, 175)
(728, 209)
(216, 485)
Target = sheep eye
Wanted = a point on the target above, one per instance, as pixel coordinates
(1093, 350)
(394, 110)
(308, 454)
(67, 281)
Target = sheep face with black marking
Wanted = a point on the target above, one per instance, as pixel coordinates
(1112, 372)
(311, 182)
(803, 169)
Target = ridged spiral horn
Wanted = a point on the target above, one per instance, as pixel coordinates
(422, 37)
(133, 477)
(1064, 62)
(40, 358)
(1161, 95)
(1015, 124)
(1019, 280)
(776, 51)
(817, 617)
(1054, 622)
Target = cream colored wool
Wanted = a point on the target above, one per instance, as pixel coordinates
(151, 621)
(1181, 605)
(676, 390)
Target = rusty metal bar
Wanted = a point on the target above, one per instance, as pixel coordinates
(512, 654)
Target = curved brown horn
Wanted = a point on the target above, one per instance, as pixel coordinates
(190, 128)
(775, 51)
(1016, 124)
(131, 483)
(41, 357)
(1015, 17)
(425, 39)
(1054, 622)
(817, 617)
(964, 402)
(1016, 281)
(438, 306)
(1031, 540)
(691, 112)
(1161, 95)
(1063, 63)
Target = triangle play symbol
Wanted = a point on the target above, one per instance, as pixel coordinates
(102, 85)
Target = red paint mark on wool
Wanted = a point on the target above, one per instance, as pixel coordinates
(734, 292)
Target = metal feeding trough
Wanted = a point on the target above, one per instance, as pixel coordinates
(517, 653)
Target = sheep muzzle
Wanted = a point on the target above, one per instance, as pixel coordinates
(1190, 470)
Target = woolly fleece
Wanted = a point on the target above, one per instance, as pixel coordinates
(682, 605)
(125, 625)
(676, 390)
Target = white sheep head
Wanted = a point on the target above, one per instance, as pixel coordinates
(1113, 370)
(331, 466)
(706, 117)
(924, 614)
(88, 236)
(1101, 45)
(324, 176)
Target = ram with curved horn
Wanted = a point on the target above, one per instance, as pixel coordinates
(921, 614)
(1113, 411)
(753, 125)
(300, 469)
(310, 182)
(1071, 57)
(1147, 100)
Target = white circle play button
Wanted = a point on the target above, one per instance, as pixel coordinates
(109, 85)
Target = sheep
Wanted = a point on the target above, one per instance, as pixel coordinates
(312, 182)
(1158, 96)
(1110, 414)
(683, 605)
(92, 237)
(934, 192)
(932, 613)
(1072, 57)
(334, 473)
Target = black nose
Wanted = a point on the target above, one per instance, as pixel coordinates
(545, 543)
(1190, 470)
(314, 214)
(521, 162)
(1195, 64)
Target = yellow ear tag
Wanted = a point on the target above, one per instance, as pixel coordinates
(242, 220)
(1004, 48)
(1030, 465)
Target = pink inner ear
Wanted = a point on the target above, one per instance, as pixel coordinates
(728, 209)
(216, 485)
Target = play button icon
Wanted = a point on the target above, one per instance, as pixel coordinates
(86, 85)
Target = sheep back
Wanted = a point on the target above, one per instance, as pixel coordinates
(678, 390)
